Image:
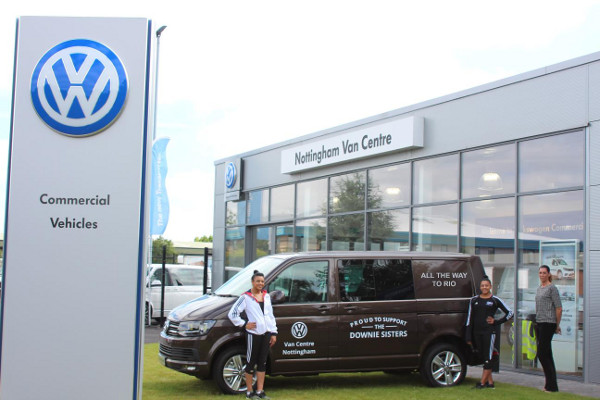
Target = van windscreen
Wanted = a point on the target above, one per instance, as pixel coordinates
(241, 281)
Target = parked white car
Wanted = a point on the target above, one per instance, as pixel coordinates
(182, 284)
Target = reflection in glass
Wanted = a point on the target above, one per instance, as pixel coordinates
(347, 192)
(311, 198)
(284, 239)
(435, 228)
(389, 186)
(282, 203)
(552, 162)
(346, 232)
(551, 232)
(488, 230)
(388, 230)
(234, 247)
(488, 172)
(304, 282)
(235, 213)
(435, 179)
(258, 206)
(261, 237)
(310, 234)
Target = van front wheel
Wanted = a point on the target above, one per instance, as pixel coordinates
(228, 371)
(443, 365)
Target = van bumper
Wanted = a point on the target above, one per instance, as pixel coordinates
(196, 368)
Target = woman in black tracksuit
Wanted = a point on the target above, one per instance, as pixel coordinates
(480, 332)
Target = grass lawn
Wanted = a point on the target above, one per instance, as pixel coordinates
(161, 383)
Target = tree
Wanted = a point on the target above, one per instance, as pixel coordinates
(204, 239)
(349, 195)
(157, 250)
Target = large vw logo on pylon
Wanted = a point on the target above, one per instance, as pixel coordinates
(79, 87)
(299, 330)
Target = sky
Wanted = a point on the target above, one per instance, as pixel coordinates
(239, 75)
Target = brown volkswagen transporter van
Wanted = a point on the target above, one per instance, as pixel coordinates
(336, 312)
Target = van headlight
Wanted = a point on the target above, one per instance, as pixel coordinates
(195, 328)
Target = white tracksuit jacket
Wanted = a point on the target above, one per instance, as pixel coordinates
(264, 322)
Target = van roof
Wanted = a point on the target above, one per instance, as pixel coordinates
(375, 254)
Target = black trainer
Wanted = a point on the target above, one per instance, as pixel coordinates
(490, 385)
(479, 386)
(262, 395)
(251, 395)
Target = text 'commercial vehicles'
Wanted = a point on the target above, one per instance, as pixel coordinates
(336, 312)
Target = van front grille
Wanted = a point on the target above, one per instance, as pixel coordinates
(177, 353)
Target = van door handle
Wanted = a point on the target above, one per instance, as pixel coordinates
(350, 308)
(323, 309)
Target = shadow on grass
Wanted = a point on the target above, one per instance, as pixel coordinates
(346, 381)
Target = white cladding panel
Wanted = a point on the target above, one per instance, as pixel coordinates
(71, 322)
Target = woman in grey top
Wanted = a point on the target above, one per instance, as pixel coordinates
(548, 311)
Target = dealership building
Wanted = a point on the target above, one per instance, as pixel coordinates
(509, 171)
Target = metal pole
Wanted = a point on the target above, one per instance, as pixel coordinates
(158, 33)
(205, 278)
(162, 287)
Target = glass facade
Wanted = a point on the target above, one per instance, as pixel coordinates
(258, 206)
(552, 162)
(311, 198)
(551, 232)
(435, 179)
(282, 203)
(389, 187)
(489, 172)
(347, 192)
(435, 228)
(517, 205)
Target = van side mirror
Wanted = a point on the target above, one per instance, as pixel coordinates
(155, 283)
(277, 297)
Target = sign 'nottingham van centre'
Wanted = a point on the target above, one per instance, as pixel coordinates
(367, 141)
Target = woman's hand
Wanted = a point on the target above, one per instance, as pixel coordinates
(251, 325)
(558, 330)
(490, 320)
(273, 340)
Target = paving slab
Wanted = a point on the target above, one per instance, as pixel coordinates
(534, 380)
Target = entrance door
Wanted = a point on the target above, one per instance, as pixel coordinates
(271, 239)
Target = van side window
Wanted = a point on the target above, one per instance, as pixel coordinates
(378, 279)
(442, 279)
(189, 276)
(157, 276)
(304, 282)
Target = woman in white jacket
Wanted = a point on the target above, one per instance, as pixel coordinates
(261, 332)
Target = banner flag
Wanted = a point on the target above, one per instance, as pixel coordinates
(159, 199)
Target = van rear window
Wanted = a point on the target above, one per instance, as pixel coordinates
(442, 279)
(375, 280)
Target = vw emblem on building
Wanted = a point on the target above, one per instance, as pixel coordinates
(79, 87)
(299, 330)
(230, 175)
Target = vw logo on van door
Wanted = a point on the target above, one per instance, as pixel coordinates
(299, 330)
(79, 87)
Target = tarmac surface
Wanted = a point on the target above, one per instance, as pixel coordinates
(573, 386)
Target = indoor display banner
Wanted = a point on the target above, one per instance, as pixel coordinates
(561, 257)
(74, 260)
